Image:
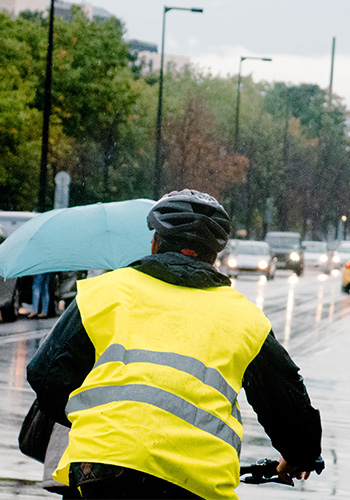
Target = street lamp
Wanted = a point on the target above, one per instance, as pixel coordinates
(46, 116)
(158, 162)
(236, 138)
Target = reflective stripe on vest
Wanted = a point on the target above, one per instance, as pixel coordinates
(192, 366)
(157, 397)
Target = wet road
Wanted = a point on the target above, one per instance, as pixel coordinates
(311, 318)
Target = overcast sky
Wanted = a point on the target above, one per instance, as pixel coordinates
(296, 34)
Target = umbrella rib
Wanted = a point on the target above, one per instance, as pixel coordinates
(108, 230)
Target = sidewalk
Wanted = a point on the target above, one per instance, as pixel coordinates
(20, 476)
(21, 489)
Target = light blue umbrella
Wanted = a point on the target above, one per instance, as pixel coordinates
(99, 236)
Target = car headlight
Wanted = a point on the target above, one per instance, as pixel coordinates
(336, 259)
(232, 262)
(263, 264)
(323, 258)
(295, 256)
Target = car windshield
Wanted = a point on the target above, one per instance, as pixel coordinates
(241, 248)
(231, 244)
(315, 247)
(11, 222)
(344, 248)
(283, 242)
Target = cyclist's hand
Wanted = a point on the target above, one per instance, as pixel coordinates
(287, 472)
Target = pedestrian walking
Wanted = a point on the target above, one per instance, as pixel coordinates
(146, 365)
(40, 296)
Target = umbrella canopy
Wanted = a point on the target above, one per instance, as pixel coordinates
(100, 236)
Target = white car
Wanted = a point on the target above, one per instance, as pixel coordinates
(316, 255)
(247, 257)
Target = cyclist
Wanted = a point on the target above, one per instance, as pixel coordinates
(147, 363)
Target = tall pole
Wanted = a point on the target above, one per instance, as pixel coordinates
(236, 137)
(238, 102)
(46, 117)
(158, 164)
(158, 158)
(330, 96)
(332, 68)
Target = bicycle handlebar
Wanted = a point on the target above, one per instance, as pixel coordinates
(265, 471)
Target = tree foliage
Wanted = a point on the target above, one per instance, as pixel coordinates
(196, 156)
(289, 170)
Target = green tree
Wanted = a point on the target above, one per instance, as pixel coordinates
(19, 120)
(314, 157)
(93, 95)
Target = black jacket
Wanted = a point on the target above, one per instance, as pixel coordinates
(272, 382)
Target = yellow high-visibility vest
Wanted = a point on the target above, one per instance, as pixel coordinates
(162, 395)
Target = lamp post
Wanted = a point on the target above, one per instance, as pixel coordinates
(331, 75)
(242, 58)
(46, 116)
(236, 136)
(158, 161)
(344, 220)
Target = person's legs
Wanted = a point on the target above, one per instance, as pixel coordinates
(36, 294)
(45, 293)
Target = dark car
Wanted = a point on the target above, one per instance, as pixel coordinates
(9, 297)
(63, 289)
(286, 246)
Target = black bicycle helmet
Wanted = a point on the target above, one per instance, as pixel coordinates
(193, 217)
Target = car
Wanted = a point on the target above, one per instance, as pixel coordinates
(9, 297)
(345, 285)
(12, 220)
(341, 254)
(247, 257)
(286, 247)
(13, 291)
(3, 234)
(221, 260)
(63, 289)
(316, 255)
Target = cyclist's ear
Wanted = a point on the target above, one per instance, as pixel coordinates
(155, 245)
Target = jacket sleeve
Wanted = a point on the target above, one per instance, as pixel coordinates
(276, 391)
(61, 364)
